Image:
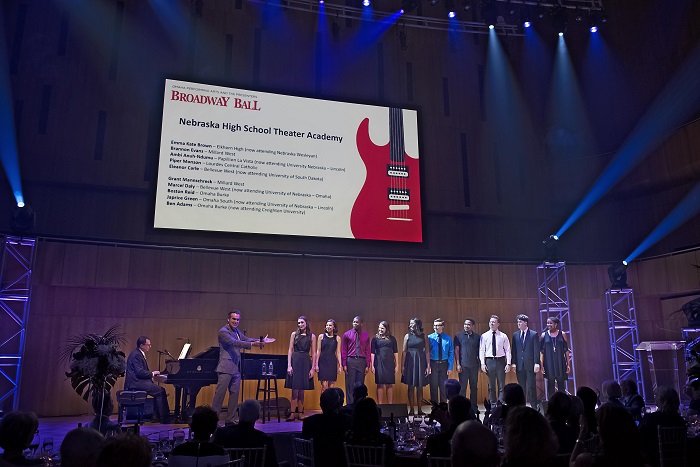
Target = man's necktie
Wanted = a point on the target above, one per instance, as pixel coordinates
(522, 338)
(493, 343)
(439, 346)
(357, 344)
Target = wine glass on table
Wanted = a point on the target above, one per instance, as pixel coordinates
(47, 445)
(34, 445)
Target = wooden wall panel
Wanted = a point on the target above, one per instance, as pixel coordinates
(261, 274)
(418, 279)
(368, 278)
(467, 280)
(233, 273)
(153, 292)
(48, 254)
(442, 279)
(79, 264)
(112, 267)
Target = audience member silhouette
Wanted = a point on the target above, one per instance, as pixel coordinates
(365, 429)
(632, 401)
(474, 445)
(245, 435)
(575, 413)
(610, 393)
(667, 415)
(80, 447)
(126, 449)
(513, 396)
(459, 410)
(558, 411)
(328, 430)
(529, 440)
(590, 400)
(619, 443)
(200, 450)
(17, 429)
(359, 392)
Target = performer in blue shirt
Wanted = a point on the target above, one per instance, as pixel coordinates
(441, 360)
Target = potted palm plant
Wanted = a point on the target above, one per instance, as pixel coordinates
(95, 363)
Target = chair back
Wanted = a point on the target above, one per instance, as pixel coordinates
(193, 461)
(672, 446)
(303, 452)
(439, 461)
(364, 456)
(135, 400)
(254, 457)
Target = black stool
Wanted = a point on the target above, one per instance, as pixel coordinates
(267, 390)
(135, 400)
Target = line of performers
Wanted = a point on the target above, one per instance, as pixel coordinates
(426, 359)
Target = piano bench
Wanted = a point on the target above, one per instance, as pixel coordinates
(131, 407)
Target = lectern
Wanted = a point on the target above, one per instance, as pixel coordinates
(655, 346)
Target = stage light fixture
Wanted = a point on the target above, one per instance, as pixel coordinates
(593, 22)
(550, 249)
(23, 219)
(366, 2)
(541, 11)
(617, 272)
(560, 21)
(526, 17)
(408, 6)
(489, 13)
(451, 14)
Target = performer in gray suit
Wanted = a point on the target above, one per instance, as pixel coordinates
(231, 341)
(526, 358)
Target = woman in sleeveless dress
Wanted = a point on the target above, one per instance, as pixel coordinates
(385, 362)
(327, 356)
(555, 356)
(415, 362)
(300, 369)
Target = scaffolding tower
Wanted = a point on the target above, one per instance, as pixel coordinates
(624, 336)
(553, 294)
(16, 263)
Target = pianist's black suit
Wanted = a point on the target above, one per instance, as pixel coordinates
(140, 378)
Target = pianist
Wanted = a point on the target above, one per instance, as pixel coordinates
(140, 378)
(231, 341)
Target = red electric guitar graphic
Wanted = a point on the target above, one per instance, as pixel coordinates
(388, 206)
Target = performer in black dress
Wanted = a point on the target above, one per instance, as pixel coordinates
(415, 362)
(385, 362)
(300, 368)
(555, 356)
(327, 356)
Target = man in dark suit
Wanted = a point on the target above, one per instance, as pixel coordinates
(140, 378)
(328, 430)
(526, 358)
(244, 435)
(231, 341)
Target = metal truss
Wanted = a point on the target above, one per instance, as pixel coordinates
(583, 5)
(406, 20)
(553, 294)
(624, 336)
(16, 264)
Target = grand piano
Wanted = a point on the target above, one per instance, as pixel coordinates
(190, 375)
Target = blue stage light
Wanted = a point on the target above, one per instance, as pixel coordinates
(451, 14)
(527, 24)
(401, 11)
(594, 28)
(491, 26)
(365, 2)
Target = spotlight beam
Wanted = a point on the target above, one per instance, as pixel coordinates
(685, 210)
(676, 103)
(8, 137)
